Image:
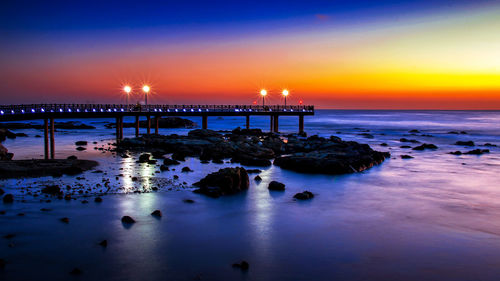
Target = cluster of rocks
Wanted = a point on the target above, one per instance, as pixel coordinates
(4, 152)
(40, 168)
(252, 147)
(471, 152)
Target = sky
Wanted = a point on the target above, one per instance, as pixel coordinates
(385, 54)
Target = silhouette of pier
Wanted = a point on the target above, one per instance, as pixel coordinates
(50, 112)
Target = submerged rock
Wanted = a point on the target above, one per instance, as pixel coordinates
(305, 195)
(224, 182)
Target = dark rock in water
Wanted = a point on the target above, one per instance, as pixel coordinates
(243, 265)
(2, 263)
(151, 162)
(456, 152)
(425, 146)
(103, 243)
(366, 135)
(143, 158)
(490, 144)
(205, 162)
(405, 156)
(186, 169)
(465, 143)
(67, 197)
(164, 168)
(40, 168)
(251, 161)
(414, 131)
(225, 181)
(458, 133)
(1, 191)
(190, 201)
(6, 134)
(408, 140)
(9, 236)
(168, 162)
(64, 220)
(178, 156)
(257, 178)
(254, 171)
(45, 209)
(176, 177)
(76, 271)
(217, 161)
(384, 144)
(305, 195)
(85, 201)
(52, 190)
(405, 146)
(72, 157)
(81, 143)
(128, 220)
(277, 186)
(22, 135)
(156, 213)
(477, 151)
(8, 198)
(4, 153)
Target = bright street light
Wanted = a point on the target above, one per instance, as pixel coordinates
(146, 90)
(127, 89)
(285, 94)
(263, 93)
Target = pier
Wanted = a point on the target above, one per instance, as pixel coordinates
(49, 112)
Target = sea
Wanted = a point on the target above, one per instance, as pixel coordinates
(435, 216)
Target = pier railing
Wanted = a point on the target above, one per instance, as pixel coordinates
(112, 108)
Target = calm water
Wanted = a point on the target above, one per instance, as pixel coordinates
(434, 217)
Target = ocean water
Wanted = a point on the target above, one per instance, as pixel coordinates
(433, 217)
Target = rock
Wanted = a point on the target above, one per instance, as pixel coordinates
(104, 243)
(405, 146)
(72, 157)
(52, 190)
(190, 201)
(458, 133)
(305, 195)
(85, 201)
(456, 153)
(490, 145)
(224, 182)
(2, 263)
(477, 151)
(169, 162)
(22, 135)
(408, 140)
(1, 191)
(144, 158)
(4, 153)
(384, 144)
(465, 143)
(8, 198)
(254, 171)
(243, 265)
(127, 220)
(186, 169)
(414, 131)
(98, 200)
(425, 146)
(64, 220)
(156, 213)
(5, 133)
(367, 135)
(79, 143)
(164, 168)
(45, 209)
(405, 156)
(257, 178)
(76, 271)
(277, 186)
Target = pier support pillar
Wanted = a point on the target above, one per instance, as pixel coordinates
(118, 130)
(204, 122)
(46, 138)
(148, 123)
(157, 125)
(248, 122)
(301, 124)
(52, 144)
(272, 123)
(276, 126)
(137, 126)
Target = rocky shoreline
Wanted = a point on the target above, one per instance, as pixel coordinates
(40, 168)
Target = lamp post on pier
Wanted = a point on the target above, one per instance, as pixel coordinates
(263, 93)
(146, 90)
(285, 94)
(127, 89)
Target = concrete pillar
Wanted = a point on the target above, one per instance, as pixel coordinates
(272, 123)
(46, 138)
(52, 144)
(148, 123)
(157, 125)
(301, 124)
(276, 127)
(204, 122)
(248, 122)
(137, 126)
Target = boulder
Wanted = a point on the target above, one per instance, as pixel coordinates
(127, 220)
(425, 146)
(79, 143)
(169, 162)
(156, 213)
(465, 143)
(8, 198)
(405, 156)
(277, 186)
(4, 153)
(224, 182)
(144, 158)
(477, 151)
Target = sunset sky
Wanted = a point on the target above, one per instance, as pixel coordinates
(333, 54)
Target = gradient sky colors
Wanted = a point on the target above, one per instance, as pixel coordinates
(335, 54)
